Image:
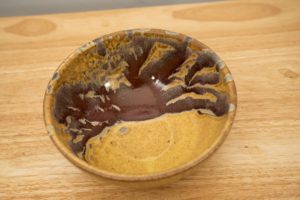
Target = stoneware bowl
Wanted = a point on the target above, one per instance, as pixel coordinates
(140, 107)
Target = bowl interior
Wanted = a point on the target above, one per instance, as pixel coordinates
(153, 132)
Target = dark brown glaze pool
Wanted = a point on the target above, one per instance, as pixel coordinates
(153, 76)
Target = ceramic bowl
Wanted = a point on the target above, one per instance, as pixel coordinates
(140, 107)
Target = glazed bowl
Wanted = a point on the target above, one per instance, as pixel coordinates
(140, 107)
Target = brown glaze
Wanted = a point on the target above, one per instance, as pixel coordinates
(156, 72)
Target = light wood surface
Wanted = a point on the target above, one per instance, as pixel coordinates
(259, 41)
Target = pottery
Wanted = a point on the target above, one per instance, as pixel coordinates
(140, 107)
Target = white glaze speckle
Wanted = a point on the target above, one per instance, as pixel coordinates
(228, 77)
(231, 107)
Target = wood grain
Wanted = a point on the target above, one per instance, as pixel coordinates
(261, 45)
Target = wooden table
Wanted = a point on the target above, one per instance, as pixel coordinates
(260, 41)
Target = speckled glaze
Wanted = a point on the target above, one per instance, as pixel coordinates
(56, 130)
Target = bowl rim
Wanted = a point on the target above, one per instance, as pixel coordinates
(144, 177)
